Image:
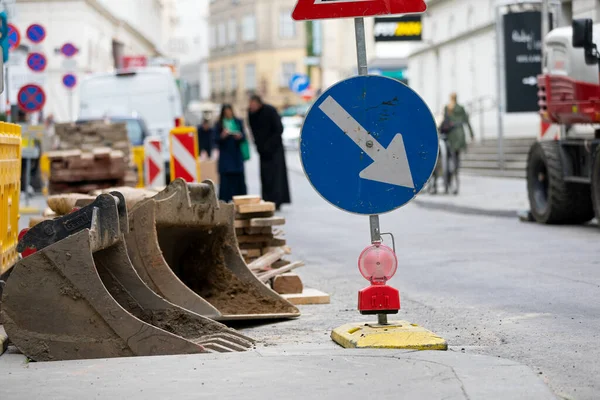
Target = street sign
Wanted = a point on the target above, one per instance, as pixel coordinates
(37, 62)
(299, 83)
(369, 144)
(31, 98)
(329, 9)
(14, 37)
(134, 62)
(70, 81)
(68, 50)
(36, 33)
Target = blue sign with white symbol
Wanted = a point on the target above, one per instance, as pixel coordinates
(36, 33)
(369, 144)
(299, 83)
(69, 80)
(68, 49)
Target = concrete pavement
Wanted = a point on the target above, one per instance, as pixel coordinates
(284, 373)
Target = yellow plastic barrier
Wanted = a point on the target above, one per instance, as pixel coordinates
(138, 160)
(10, 190)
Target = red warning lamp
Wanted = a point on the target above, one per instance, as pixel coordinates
(378, 264)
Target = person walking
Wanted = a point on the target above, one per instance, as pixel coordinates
(206, 138)
(267, 129)
(455, 120)
(230, 131)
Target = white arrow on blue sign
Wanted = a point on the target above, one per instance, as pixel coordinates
(299, 83)
(369, 144)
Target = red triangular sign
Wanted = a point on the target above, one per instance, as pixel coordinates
(330, 9)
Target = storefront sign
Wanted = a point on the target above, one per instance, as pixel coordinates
(399, 29)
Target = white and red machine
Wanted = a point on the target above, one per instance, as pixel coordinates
(563, 167)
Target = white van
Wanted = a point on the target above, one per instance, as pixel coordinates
(147, 93)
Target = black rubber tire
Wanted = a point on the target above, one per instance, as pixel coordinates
(596, 184)
(552, 200)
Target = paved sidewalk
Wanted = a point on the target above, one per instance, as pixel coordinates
(276, 373)
(501, 197)
(478, 195)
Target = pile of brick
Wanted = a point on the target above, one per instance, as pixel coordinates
(91, 156)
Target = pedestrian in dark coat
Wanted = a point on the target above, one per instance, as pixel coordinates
(206, 138)
(267, 129)
(231, 133)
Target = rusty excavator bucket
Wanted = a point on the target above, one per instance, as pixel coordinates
(182, 243)
(77, 296)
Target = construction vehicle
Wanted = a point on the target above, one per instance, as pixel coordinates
(102, 282)
(563, 167)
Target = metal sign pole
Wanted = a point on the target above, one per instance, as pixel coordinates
(363, 69)
(499, 86)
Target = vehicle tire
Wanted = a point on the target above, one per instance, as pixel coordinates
(596, 184)
(552, 200)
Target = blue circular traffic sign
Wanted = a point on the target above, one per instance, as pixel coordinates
(14, 37)
(31, 98)
(369, 145)
(36, 33)
(37, 62)
(69, 80)
(68, 49)
(299, 83)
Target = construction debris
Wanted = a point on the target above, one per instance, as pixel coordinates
(78, 296)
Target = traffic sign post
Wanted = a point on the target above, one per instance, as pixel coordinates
(70, 81)
(31, 98)
(369, 144)
(36, 33)
(37, 62)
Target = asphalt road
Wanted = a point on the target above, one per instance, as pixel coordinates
(489, 285)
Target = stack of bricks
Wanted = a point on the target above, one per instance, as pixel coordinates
(91, 156)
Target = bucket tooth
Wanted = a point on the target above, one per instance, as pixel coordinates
(79, 297)
(182, 243)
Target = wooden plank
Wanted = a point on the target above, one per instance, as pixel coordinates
(251, 253)
(241, 223)
(246, 246)
(288, 284)
(265, 206)
(308, 296)
(266, 260)
(271, 221)
(102, 152)
(277, 242)
(267, 230)
(266, 214)
(266, 249)
(254, 238)
(248, 199)
(275, 272)
(280, 263)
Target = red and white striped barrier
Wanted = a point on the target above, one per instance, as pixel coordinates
(154, 166)
(184, 154)
(549, 131)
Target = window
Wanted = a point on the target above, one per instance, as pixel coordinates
(233, 78)
(287, 26)
(223, 80)
(212, 37)
(250, 76)
(222, 35)
(288, 69)
(231, 31)
(249, 28)
(211, 80)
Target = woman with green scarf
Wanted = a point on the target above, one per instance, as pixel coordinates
(230, 135)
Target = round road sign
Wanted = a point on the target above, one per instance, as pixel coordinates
(37, 62)
(70, 81)
(69, 49)
(31, 98)
(36, 33)
(14, 37)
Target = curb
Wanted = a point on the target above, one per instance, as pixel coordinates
(466, 210)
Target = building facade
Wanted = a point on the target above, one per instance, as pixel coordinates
(95, 27)
(458, 54)
(255, 47)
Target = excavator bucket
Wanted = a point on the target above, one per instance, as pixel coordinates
(182, 243)
(77, 296)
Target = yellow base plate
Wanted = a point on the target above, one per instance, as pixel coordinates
(395, 335)
(29, 210)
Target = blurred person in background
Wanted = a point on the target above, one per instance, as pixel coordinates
(230, 134)
(206, 139)
(267, 129)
